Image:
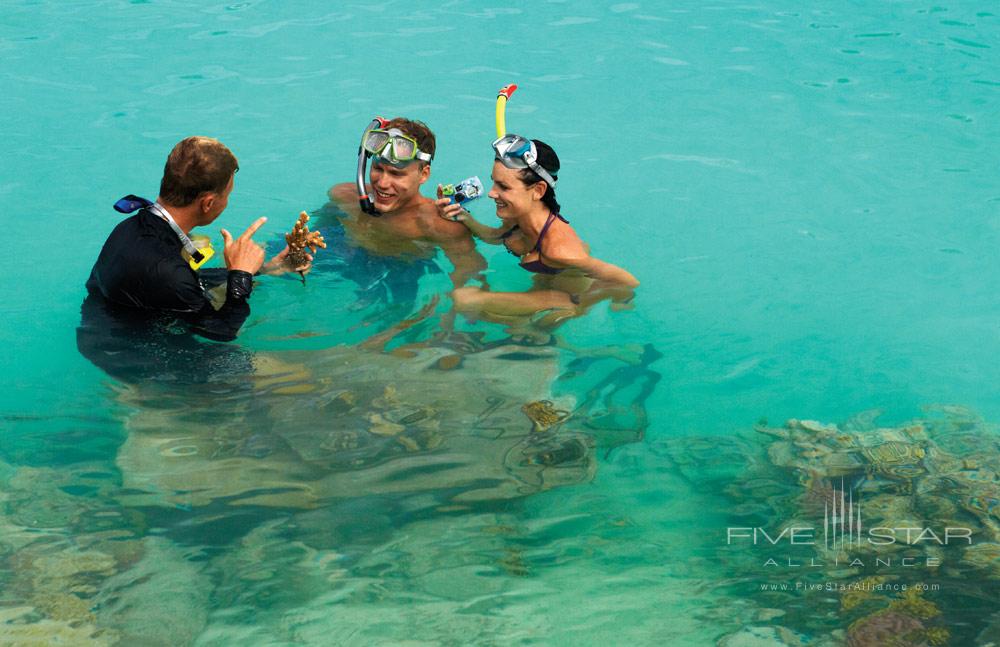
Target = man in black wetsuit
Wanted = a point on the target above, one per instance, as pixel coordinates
(146, 295)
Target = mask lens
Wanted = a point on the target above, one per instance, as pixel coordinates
(519, 147)
(375, 141)
(403, 148)
(510, 150)
(502, 145)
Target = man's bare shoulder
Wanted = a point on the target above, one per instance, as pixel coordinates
(345, 193)
(436, 228)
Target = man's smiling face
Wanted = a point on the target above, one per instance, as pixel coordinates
(396, 187)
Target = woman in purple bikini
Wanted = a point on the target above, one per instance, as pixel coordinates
(567, 279)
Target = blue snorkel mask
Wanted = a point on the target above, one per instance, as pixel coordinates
(516, 152)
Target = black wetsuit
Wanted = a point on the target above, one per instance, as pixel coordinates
(144, 301)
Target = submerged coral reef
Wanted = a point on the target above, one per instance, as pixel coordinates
(894, 521)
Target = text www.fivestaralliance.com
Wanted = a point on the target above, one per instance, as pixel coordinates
(847, 586)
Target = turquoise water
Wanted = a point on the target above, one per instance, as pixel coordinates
(807, 195)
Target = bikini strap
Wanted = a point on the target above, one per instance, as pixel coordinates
(510, 232)
(545, 228)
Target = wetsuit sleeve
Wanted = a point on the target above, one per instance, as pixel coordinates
(223, 324)
(213, 276)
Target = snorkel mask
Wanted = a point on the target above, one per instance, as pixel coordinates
(514, 151)
(394, 146)
(388, 146)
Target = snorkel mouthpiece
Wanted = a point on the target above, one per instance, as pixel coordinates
(502, 96)
(364, 199)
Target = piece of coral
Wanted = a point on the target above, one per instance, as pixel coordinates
(301, 239)
(862, 592)
(913, 603)
(886, 628)
(23, 626)
(544, 415)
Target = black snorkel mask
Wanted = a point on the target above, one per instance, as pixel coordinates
(367, 205)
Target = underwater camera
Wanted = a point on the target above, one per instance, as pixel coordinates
(466, 190)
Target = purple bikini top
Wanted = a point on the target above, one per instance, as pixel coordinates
(536, 266)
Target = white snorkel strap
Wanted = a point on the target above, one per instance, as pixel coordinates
(196, 257)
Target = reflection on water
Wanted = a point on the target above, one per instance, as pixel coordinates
(345, 423)
(297, 487)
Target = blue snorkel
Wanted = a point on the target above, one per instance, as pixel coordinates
(363, 198)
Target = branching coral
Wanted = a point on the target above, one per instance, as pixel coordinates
(301, 239)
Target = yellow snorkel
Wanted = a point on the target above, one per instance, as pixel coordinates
(502, 97)
(515, 151)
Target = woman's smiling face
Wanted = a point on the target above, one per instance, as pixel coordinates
(512, 196)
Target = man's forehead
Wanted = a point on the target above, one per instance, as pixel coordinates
(402, 168)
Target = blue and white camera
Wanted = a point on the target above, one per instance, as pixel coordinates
(468, 189)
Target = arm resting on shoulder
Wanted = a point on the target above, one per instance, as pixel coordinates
(491, 235)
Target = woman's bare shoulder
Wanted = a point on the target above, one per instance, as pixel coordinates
(563, 245)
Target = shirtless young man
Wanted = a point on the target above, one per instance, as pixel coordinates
(407, 224)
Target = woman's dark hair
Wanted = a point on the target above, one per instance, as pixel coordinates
(549, 161)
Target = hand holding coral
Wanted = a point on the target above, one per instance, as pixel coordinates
(296, 256)
(301, 239)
